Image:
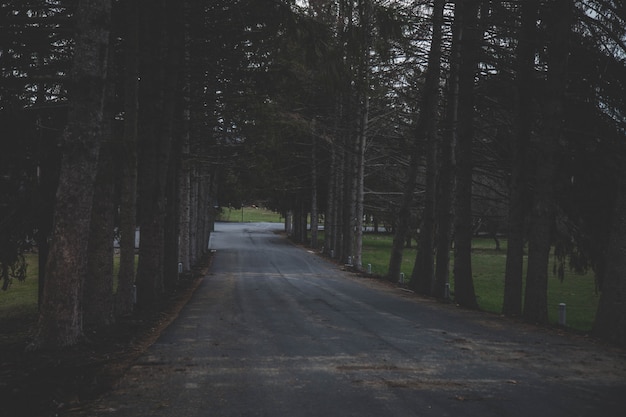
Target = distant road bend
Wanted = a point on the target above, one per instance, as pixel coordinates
(274, 330)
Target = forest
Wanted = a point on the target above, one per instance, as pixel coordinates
(436, 120)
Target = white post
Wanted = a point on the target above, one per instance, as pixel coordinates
(562, 314)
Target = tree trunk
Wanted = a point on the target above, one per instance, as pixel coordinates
(184, 180)
(546, 159)
(127, 155)
(159, 82)
(330, 218)
(98, 287)
(314, 212)
(422, 277)
(363, 84)
(427, 126)
(184, 198)
(610, 321)
(349, 196)
(470, 46)
(172, 217)
(512, 304)
(360, 183)
(154, 145)
(60, 319)
(445, 182)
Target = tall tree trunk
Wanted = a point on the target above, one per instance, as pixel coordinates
(422, 277)
(546, 150)
(127, 154)
(610, 321)
(98, 303)
(159, 80)
(360, 183)
(98, 291)
(349, 194)
(470, 42)
(363, 83)
(172, 217)
(60, 319)
(184, 205)
(445, 182)
(330, 219)
(512, 304)
(314, 212)
(424, 267)
(401, 227)
(184, 180)
(427, 129)
(340, 201)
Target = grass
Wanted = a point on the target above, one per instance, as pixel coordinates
(249, 214)
(18, 305)
(577, 291)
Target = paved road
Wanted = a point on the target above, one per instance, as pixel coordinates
(276, 331)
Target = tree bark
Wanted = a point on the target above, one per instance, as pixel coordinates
(512, 304)
(127, 155)
(314, 211)
(60, 319)
(546, 160)
(427, 129)
(98, 300)
(610, 321)
(470, 45)
(445, 181)
(184, 203)
(330, 218)
(364, 10)
(160, 68)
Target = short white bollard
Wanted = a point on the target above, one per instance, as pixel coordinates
(369, 268)
(562, 314)
(349, 260)
(401, 277)
(180, 267)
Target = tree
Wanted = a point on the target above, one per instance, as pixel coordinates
(446, 170)
(97, 297)
(160, 59)
(126, 149)
(426, 130)
(470, 41)
(610, 322)
(60, 318)
(526, 47)
(546, 160)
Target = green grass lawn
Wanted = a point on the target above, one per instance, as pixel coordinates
(18, 305)
(577, 291)
(249, 214)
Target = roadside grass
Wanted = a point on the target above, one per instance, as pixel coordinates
(248, 214)
(18, 305)
(577, 291)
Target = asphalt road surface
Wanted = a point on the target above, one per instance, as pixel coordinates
(274, 330)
